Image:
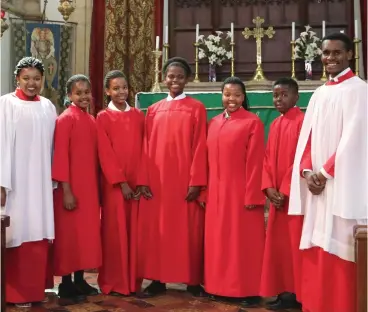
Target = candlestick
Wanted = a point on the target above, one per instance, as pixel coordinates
(157, 42)
(293, 31)
(324, 76)
(323, 29)
(292, 43)
(166, 34)
(196, 77)
(356, 55)
(232, 44)
(232, 32)
(356, 29)
(166, 47)
(156, 84)
(197, 32)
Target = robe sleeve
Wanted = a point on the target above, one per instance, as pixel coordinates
(143, 168)
(254, 163)
(198, 170)
(306, 162)
(267, 165)
(109, 162)
(60, 164)
(328, 170)
(6, 143)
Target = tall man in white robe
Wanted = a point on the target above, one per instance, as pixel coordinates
(329, 182)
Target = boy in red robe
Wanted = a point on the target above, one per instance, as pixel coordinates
(120, 136)
(282, 257)
(77, 245)
(174, 168)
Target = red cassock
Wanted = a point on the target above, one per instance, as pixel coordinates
(120, 136)
(282, 258)
(234, 235)
(77, 244)
(174, 158)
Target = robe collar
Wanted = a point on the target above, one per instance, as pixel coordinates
(237, 113)
(20, 95)
(73, 106)
(344, 75)
(114, 108)
(179, 97)
(291, 112)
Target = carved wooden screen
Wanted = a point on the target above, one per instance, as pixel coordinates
(214, 15)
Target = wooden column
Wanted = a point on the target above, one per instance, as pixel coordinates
(5, 222)
(360, 235)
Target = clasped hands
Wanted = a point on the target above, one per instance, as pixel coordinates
(316, 182)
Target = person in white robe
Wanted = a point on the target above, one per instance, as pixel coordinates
(329, 181)
(27, 123)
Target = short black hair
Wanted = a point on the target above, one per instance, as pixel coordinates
(112, 75)
(178, 61)
(286, 81)
(28, 62)
(73, 80)
(237, 81)
(348, 43)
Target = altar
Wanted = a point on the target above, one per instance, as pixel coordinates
(209, 93)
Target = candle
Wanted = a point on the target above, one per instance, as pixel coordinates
(342, 31)
(356, 29)
(157, 42)
(323, 29)
(232, 32)
(197, 32)
(293, 31)
(166, 34)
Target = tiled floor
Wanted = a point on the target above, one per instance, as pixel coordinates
(176, 300)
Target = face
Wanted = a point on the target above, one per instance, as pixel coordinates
(81, 94)
(42, 34)
(175, 80)
(232, 97)
(284, 98)
(118, 90)
(30, 81)
(335, 57)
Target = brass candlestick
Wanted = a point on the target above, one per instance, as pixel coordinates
(356, 55)
(292, 43)
(258, 33)
(156, 85)
(232, 44)
(324, 76)
(166, 47)
(196, 77)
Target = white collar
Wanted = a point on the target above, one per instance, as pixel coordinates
(336, 78)
(226, 114)
(179, 97)
(114, 108)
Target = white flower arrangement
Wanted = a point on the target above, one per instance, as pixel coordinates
(308, 45)
(214, 47)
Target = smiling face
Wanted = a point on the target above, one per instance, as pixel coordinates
(118, 91)
(232, 97)
(284, 97)
(335, 57)
(175, 80)
(30, 81)
(81, 94)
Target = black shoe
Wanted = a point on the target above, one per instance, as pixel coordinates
(250, 302)
(196, 291)
(152, 290)
(283, 305)
(85, 288)
(71, 292)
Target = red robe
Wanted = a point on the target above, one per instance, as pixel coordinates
(234, 235)
(282, 258)
(28, 267)
(174, 158)
(77, 244)
(120, 136)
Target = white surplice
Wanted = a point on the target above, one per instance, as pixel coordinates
(26, 141)
(337, 117)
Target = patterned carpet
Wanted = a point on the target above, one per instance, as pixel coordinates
(175, 300)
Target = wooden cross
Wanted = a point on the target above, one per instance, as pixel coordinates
(50, 68)
(258, 33)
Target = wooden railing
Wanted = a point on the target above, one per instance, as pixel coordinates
(360, 235)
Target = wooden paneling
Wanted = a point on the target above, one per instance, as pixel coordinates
(218, 14)
(360, 235)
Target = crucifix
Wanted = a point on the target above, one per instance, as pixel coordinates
(258, 33)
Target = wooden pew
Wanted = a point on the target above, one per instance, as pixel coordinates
(360, 236)
(5, 222)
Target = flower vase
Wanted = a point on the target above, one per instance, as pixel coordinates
(212, 73)
(308, 70)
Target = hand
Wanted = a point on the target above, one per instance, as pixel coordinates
(276, 198)
(127, 191)
(145, 191)
(321, 177)
(315, 186)
(137, 195)
(193, 193)
(3, 196)
(69, 200)
(202, 204)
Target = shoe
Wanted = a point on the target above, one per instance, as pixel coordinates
(152, 290)
(250, 302)
(70, 291)
(283, 305)
(86, 289)
(117, 294)
(196, 291)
